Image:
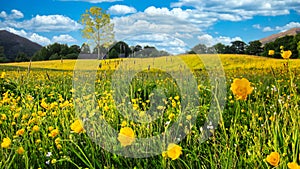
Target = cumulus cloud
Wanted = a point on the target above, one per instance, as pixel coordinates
(3, 14)
(14, 14)
(161, 24)
(267, 29)
(63, 39)
(39, 23)
(39, 39)
(209, 40)
(288, 26)
(282, 28)
(121, 10)
(236, 10)
(49, 23)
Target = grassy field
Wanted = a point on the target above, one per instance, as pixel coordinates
(41, 129)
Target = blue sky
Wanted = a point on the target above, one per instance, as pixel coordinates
(172, 25)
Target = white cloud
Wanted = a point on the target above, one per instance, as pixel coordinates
(121, 10)
(3, 14)
(282, 28)
(256, 26)
(208, 40)
(15, 14)
(49, 23)
(162, 27)
(39, 39)
(288, 26)
(63, 38)
(17, 32)
(39, 23)
(267, 29)
(236, 10)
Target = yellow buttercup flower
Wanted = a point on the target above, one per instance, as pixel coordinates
(77, 126)
(6, 142)
(286, 54)
(20, 150)
(173, 151)
(293, 165)
(126, 136)
(273, 159)
(3, 117)
(20, 132)
(271, 52)
(2, 75)
(35, 128)
(241, 88)
(54, 133)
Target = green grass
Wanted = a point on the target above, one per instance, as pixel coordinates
(268, 121)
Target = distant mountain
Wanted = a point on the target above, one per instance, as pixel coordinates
(14, 44)
(291, 32)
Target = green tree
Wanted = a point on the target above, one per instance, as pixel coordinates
(220, 48)
(97, 27)
(22, 57)
(254, 48)
(238, 47)
(113, 54)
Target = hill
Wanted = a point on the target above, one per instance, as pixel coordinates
(291, 32)
(14, 44)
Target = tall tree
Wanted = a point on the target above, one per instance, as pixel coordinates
(238, 47)
(254, 48)
(97, 27)
(220, 48)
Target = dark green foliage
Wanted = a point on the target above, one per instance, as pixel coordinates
(288, 42)
(22, 57)
(57, 51)
(254, 48)
(113, 54)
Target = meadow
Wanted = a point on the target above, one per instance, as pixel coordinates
(258, 127)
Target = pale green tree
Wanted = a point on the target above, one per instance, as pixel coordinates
(97, 27)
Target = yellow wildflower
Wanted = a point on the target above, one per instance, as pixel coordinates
(241, 88)
(35, 128)
(77, 126)
(20, 132)
(20, 150)
(271, 52)
(273, 159)
(173, 151)
(286, 54)
(6, 142)
(293, 165)
(54, 133)
(3, 117)
(126, 136)
(2, 75)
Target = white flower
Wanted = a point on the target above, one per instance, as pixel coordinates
(48, 154)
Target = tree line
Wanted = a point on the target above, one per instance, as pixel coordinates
(291, 43)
